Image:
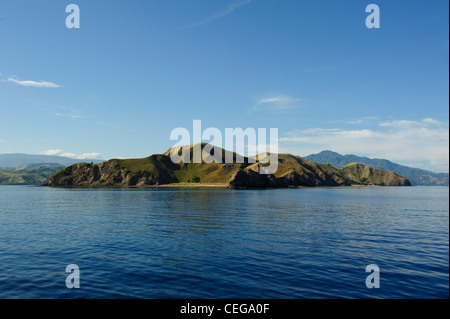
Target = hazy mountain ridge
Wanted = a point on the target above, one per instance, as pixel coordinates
(13, 160)
(33, 174)
(293, 171)
(415, 175)
(29, 169)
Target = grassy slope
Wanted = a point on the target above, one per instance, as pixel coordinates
(324, 173)
(216, 173)
(161, 164)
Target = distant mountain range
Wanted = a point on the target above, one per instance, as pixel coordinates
(27, 169)
(33, 174)
(11, 161)
(293, 171)
(415, 175)
(35, 169)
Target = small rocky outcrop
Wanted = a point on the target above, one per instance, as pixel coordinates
(251, 179)
(365, 175)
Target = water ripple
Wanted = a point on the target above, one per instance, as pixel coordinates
(171, 243)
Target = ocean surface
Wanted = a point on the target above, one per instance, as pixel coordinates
(211, 243)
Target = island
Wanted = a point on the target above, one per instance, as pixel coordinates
(160, 171)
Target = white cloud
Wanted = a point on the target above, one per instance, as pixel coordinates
(230, 9)
(400, 123)
(51, 152)
(72, 155)
(279, 102)
(404, 123)
(405, 142)
(38, 84)
(89, 155)
(429, 120)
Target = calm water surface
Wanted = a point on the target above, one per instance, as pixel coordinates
(194, 243)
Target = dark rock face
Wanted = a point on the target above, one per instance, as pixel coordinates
(107, 173)
(296, 179)
(250, 179)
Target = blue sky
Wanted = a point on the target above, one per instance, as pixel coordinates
(137, 69)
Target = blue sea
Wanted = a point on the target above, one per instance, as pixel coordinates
(218, 243)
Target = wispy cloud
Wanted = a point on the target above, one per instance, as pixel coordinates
(406, 123)
(71, 155)
(422, 143)
(429, 120)
(64, 111)
(37, 84)
(363, 120)
(277, 103)
(89, 155)
(216, 16)
(52, 152)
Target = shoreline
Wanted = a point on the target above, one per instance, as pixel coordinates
(223, 186)
(205, 186)
(202, 185)
(193, 185)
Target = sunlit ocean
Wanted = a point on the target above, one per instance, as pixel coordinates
(214, 243)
